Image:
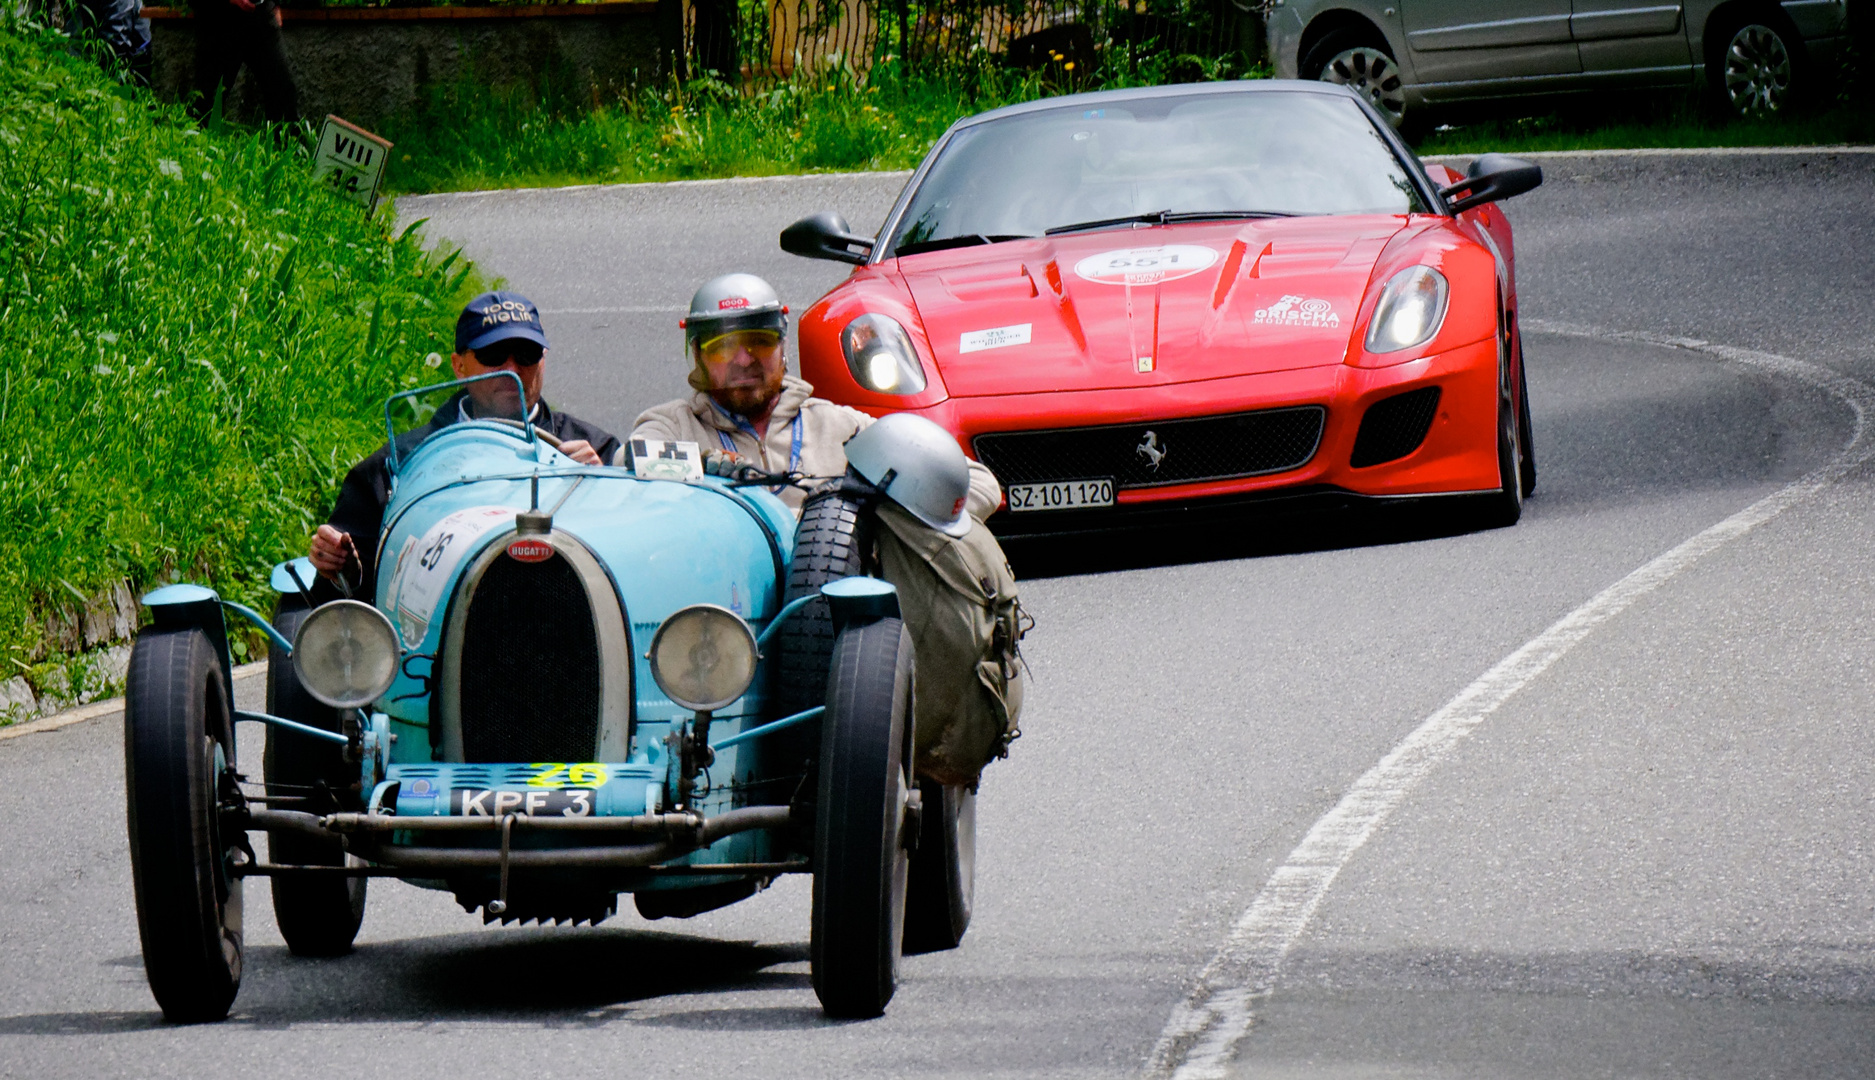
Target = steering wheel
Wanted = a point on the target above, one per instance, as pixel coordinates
(541, 433)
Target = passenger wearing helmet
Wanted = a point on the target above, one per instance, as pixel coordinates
(746, 408)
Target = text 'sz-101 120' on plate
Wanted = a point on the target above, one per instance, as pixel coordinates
(1065, 495)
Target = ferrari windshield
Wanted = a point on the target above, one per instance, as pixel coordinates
(1228, 154)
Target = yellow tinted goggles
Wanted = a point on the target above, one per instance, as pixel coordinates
(761, 344)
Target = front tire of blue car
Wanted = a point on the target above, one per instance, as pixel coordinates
(860, 850)
(185, 818)
(318, 914)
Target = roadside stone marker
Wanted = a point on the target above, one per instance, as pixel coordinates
(352, 160)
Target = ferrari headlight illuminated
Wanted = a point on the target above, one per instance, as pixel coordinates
(1412, 305)
(704, 657)
(880, 355)
(346, 654)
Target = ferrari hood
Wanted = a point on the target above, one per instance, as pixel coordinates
(1147, 306)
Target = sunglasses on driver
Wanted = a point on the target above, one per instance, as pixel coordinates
(524, 353)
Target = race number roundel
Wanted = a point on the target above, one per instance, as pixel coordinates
(1147, 265)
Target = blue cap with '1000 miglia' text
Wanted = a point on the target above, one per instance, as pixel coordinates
(498, 316)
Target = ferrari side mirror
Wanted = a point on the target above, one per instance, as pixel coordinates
(1492, 177)
(825, 235)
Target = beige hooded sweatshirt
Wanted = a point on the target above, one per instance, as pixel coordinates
(825, 427)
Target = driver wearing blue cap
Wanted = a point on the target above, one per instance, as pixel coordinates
(497, 331)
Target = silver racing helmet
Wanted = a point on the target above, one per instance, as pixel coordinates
(917, 465)
(729, 303)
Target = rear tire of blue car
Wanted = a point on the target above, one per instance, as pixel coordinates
(942, 883)
(185, 821)
(861, 859)
(318, 915)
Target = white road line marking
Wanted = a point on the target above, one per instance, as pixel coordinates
(1202, 1034)
(715, 181)
(96, 709)
(659, 309)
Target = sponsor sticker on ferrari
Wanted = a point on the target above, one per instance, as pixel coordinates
(1146, 265)
(999, 338)
(1298, 311)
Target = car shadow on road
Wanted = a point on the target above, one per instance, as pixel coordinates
(559, 977)
(1243, 536)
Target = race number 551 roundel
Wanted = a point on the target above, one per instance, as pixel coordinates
(1147, 265)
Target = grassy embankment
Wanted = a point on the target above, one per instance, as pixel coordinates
(476, 137)
(197, 341)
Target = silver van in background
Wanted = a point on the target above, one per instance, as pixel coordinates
(1411, 57)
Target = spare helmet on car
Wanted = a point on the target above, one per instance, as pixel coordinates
(917, 465)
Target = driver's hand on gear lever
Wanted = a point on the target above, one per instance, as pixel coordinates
(581, 451)
(331, 551)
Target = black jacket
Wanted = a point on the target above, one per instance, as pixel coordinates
(367, 488)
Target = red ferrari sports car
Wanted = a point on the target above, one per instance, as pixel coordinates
(1138, 303)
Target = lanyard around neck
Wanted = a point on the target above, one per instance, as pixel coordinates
(794, 439)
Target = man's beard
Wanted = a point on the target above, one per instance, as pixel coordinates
(752, 401)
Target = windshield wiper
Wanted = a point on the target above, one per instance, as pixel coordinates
(918, 247)
(1167, 217)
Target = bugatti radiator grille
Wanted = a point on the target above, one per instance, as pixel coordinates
(530, 665)
(1394, 427)
(1158, 453)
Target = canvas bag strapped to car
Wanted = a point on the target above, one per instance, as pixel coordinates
(958, 598)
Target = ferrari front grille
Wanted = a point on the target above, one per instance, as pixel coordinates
(530, 683)
(1158, 453)
(1394, 427)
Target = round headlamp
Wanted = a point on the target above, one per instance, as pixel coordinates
(880, 355)
(704, 657)
(346, 654)
(1410, 310)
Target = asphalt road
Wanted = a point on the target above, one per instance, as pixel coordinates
(1650, 858)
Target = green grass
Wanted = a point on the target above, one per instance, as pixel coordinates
(1668, 122)
(197, 341)
(474, 137)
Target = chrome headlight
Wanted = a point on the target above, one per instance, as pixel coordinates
(1410, 310)
(880, 355)
(346, 654)
(704, 657)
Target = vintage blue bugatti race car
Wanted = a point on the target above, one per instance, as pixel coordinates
(573, 682)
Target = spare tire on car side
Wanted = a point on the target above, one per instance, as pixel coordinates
(833, 541)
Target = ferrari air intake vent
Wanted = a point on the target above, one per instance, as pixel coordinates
(1158, 453)
(1394, 427)
(530, 677)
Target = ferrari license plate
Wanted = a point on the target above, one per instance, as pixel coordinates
(1066, 495)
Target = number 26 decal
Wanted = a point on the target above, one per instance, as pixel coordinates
(565, 774)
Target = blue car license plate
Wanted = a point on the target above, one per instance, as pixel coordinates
(535, 802)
